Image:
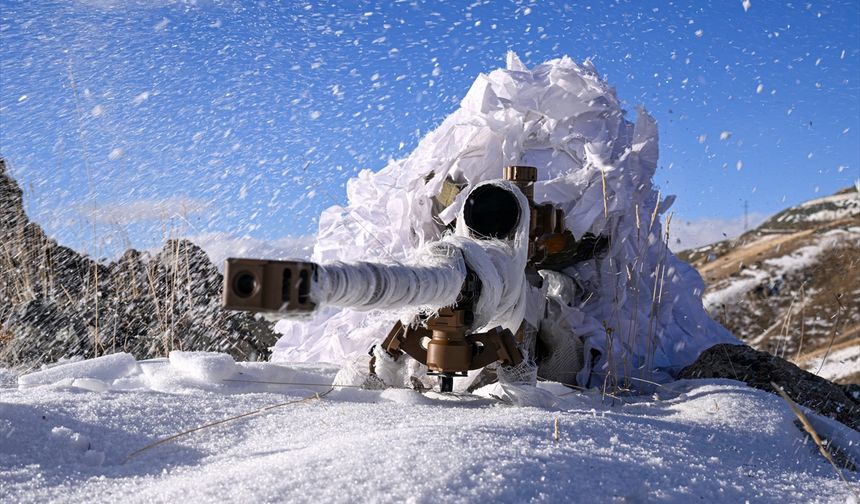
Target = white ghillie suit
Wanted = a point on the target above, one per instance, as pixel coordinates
(636, 311)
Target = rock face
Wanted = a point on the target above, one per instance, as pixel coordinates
(55, 302)
(758, 369)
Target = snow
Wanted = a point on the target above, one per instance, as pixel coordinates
(849, 199)
(108, 368)
(203, 366)
(717, 441)
(840, 363)
(734, 290)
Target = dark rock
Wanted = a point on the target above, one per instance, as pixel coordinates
(758, 369)
(55, 302)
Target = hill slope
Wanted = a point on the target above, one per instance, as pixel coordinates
(792, 285)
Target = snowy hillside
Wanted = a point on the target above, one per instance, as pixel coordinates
(790, 286)
(843, 205)
(67, 434)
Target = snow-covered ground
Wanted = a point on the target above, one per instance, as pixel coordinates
(66, 434)
(840, 363)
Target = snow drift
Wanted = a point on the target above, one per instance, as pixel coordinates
(638, 308)
(68, 432)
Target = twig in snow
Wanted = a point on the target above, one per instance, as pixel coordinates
(264, 409)
(301, 384)
(605, 201)
(814, 435)
(835, 331)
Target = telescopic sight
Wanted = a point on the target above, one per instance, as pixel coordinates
(492, 212)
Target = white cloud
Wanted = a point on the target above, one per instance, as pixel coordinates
(220, 246)
(687, 234)
(130, 212)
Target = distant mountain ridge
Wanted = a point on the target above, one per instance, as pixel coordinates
(56, 302)
(792, 285)
(845, 204)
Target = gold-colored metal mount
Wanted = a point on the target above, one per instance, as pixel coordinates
(444, 346)
(268, 286)
(449, 192)
(523, 177)
(546, 222)
(448, 350)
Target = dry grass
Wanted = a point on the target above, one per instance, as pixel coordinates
(855, 341)
(807, 426)
(635, 369)
(259, 411)
(6, 336)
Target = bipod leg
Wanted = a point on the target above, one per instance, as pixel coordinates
(446, 383)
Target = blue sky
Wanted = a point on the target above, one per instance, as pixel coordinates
(157, 118)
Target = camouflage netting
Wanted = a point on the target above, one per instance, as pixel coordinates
(636, 310)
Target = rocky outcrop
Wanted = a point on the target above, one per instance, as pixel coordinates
(758, 369)
(55, 302)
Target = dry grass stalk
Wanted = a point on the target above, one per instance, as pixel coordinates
(654, 213)
(610, 381)
(807, 426)
(802, 320)
(95, 294)
(67, 293)
(634, 280)
(605, 199)
(6, 336)
(783, 332)
(150, 277)
(264, 409)
(834, 332)
(638, 223)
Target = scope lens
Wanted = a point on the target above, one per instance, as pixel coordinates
(492, 212)
(244, 284)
